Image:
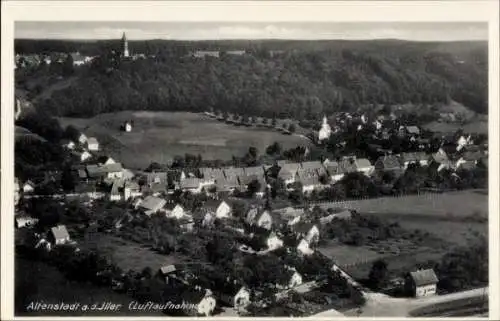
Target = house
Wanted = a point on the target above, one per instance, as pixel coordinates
(59, 235)
(168, 273)
(309, 180)
(105, 160)
(82, 139)
(197, 302)
(16, 191)
(82, 156)
(92, 144)
(236, 52)
(25, 221)
(413, 158)
(176, 211)
(273, 242)
(304, 248)
(363, 165)
(295, 279)
(131, 190)
(263, 219)
(288, 172)
(439, 161)
(413, 131)
(306, 231)
(334, 171)
(186, 223)
(211, 173)
(28, 187)
(254, 170)
(341, 213)
(151, 205)
(220, 209)
(127, 127)
(191, 184)
(110, 171)
(237, 297)
(68, 144)
(157, 178)
(389, 163)
(116, 191)
(205, 53)
(421, 283)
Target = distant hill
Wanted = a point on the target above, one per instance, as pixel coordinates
(304, 80)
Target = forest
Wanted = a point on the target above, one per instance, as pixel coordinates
(306, 80)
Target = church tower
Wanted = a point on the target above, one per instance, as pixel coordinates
(325, 131)
(124, 46)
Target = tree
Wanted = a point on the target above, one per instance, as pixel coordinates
(253, 187)
(68, 68)
(378, 274)
(274, 149)
(291, 128)
(273, 122)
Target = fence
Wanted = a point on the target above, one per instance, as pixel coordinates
(354, 204)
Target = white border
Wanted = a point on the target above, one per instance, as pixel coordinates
(231, 11)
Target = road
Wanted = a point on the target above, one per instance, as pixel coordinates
(380, 305)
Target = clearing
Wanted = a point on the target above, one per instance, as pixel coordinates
(130, 255)
(159, 136)
(450, 219)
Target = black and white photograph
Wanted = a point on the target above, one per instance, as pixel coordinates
(324, 169)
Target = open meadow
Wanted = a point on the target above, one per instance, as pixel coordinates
(437, 223)
(130, 255)
(159, 136)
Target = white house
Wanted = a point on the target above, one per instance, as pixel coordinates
(59, 235)
(69, 145)
(92, 144)
(151, 205)
(82, 139)
(223, 210)
(201, 302)
(176, 212)
(307, 231)
(25, 221)
(241, 299)
(304, 248)
(28, 187)
(421, 283)
(295, 279)
(363, 165)
(84, 156)
(273, 242)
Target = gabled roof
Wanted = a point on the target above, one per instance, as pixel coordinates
(424, 277)
(254, 170)
(161, 176)
(414, 157)
(152, 202)
(92, 140)
(290, 167)
(247, 179)
(413, 129)
(313, 165)
(190, 183)
(303, 227)
(167, 269)
(59, 232)
(363, 163)
(112, 168)
(389, 162)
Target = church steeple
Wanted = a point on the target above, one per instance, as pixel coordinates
(125, 46)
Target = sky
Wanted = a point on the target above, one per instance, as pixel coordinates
(425, 31)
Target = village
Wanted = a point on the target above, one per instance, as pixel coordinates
(236, 203)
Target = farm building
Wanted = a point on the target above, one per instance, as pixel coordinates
(151, 205)
(92, 144)
(59, 235)
(421, 283)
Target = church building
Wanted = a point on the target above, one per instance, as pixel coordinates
(125, 52)
(325, 131)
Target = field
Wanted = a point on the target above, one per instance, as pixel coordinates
(476, 126)
(159, 136)
(451, 205)
(450, 219)
(129, 255)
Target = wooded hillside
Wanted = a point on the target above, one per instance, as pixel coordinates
(308, 79)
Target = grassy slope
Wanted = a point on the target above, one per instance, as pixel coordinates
(162, 135)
